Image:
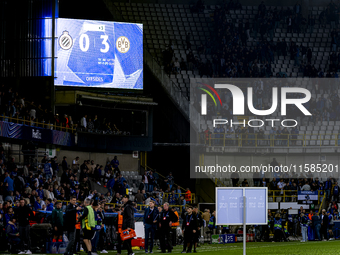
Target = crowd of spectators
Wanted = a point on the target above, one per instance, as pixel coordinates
(40, 189)
(54, 181)
(15, 105)
(94, 125)
(290, 183)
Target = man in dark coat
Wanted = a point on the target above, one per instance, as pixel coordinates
(128, 220)
(70, 223)
(167, 217)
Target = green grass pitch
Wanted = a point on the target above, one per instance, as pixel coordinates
(282, 248)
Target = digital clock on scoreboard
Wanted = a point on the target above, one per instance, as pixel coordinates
(99, 54)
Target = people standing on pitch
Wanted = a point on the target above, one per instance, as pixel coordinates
(88, 223)
(316, 224)
(330, 226)
(266, 228)
(311, 233)
(98, 227)
(174, 227)
(118, 223)
(70, 221)
(167, 217)
(189, 229)
(24, 213)
(199, 220)
(212, 225)
(150, 220)
(58, 223)
(128, 220)
(278, 230)
(304, 224)
(324, 225)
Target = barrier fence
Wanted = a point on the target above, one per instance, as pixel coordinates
(37, 123)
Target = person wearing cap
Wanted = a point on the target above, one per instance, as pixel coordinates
(189, 229)
(167, 217)
(88, 223)
(150, 224)
(128, 220)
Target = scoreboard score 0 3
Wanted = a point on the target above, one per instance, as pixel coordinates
(99, 54)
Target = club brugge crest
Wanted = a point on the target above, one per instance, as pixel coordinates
(123, 44)
(65, 41)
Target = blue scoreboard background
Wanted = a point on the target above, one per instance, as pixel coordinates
(99, 54)
(229, 205)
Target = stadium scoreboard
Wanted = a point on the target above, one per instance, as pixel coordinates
(99, 54)
(230, 206)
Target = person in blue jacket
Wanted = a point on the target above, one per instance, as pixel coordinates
(212, 225)
(49, 205)
(278, 229)
(304, 225)
(328, 187)
(12, 233)
(150, 224)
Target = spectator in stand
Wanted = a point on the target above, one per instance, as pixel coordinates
(139, 198)
(328, 187)
(48, 170)
(151, 180)
(90, 125)
(172, 198)
(335, 192)
(182, 202)
(83, 123)
(115, 163)
(64, 164)
(75, 164)
(188, 195)
(171, 180)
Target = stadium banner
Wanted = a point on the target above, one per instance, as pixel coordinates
(223, 239)
(10, 130)
(258, 129)
(101, 54)
(307, 197)
(62, 138)
(36, 134)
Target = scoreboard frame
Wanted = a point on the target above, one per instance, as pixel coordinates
(244, 203)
